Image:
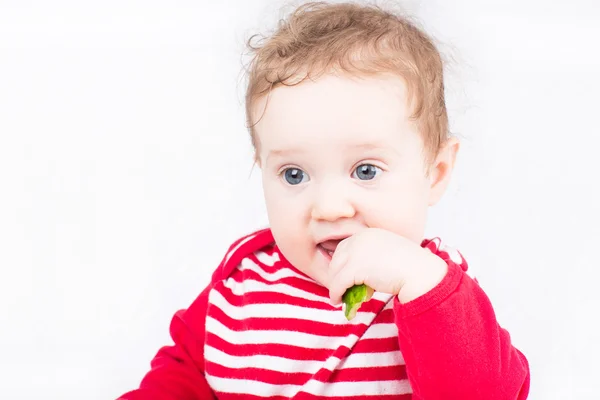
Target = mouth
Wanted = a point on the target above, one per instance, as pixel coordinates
(327, 247)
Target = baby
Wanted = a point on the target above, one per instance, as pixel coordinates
(347, 117)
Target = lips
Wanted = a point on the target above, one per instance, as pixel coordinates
(328, 247)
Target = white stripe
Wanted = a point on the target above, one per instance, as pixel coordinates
(249, 265)
(381, 331)
(307, 340)
(271, 363)
(254, 286)
(248, 387)
(286, 365)
(348, 389)
(352, 389)
(251, 285)
(384, 298)
(268, 260)
(369, 360)
(332, 317)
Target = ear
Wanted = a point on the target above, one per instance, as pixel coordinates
(440, 171)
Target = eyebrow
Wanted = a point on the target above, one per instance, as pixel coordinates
(360, 146)
(376, 147)
(369, 146)
(283, 152)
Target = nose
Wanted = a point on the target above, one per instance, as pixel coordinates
(332, 203)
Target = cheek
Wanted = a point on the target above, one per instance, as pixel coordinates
(400, 208)
(286, 210)
(292, 237)
(274, 196)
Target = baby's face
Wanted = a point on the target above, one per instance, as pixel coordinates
(338, 156)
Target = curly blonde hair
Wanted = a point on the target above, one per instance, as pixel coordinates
(357, 39)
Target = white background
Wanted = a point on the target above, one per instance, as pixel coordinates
(125, 172)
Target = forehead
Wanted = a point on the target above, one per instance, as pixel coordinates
(333, 109)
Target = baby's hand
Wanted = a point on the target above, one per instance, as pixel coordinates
(385, 262)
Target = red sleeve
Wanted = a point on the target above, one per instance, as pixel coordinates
(177, 371)
(453, 346)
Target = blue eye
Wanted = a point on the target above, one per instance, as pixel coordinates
(294, 176)
(366, 172)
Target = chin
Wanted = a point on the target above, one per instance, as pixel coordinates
(318, 272)
(314, 268)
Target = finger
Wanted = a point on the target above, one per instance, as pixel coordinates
(340, 255)
(344, 244)
(341, 282)
(338, 260)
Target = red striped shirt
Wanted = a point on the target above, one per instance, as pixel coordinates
(262, 329)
